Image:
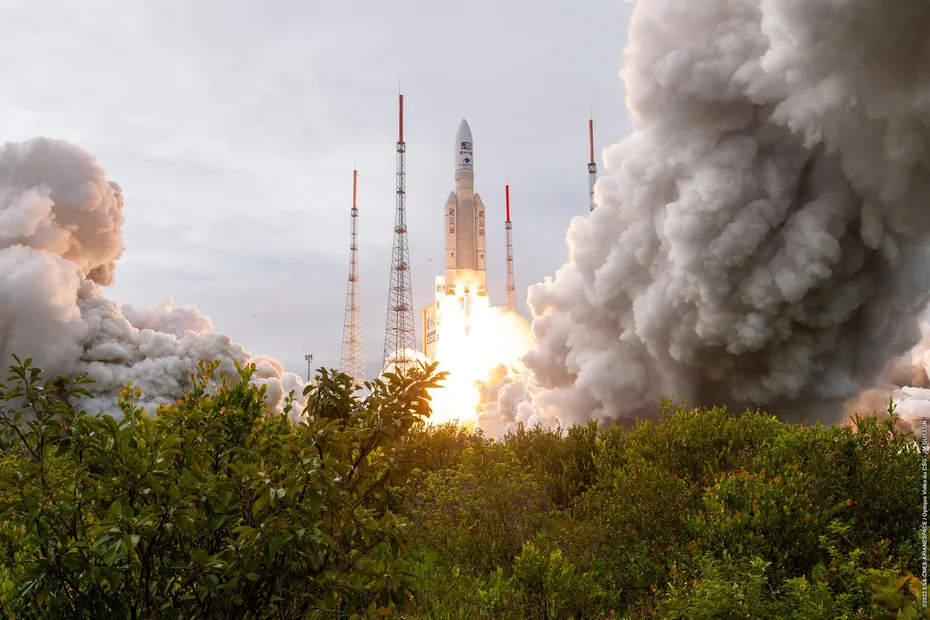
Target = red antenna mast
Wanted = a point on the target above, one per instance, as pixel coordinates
(508, 233)
(353, 349)
(592, 166)
(400, 122)
(400, 336)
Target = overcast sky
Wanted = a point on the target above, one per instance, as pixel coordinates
(233, 127)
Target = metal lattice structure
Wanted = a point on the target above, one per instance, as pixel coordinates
(400, 335)
(508, 233)
(592, 166)
(353, 349)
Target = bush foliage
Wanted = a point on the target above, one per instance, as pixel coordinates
(355, 507)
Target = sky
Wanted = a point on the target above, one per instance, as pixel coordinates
(233, 127)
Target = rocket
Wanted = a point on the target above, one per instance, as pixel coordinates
(465, 224)
(465, 279)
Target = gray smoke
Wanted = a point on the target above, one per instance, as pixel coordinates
(762, 234)
(906, 382)
(60, 236)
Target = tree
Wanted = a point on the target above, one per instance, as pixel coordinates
(212, 507)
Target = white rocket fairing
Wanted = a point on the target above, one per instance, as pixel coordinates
(465, 223)
(465, 279)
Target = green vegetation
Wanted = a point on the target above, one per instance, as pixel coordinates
(214, 507)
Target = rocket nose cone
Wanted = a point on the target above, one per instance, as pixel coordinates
(464, 132)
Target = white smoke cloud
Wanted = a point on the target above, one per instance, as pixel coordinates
(509, 404)
(762, 235)
(60, 237)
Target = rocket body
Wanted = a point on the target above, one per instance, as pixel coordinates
(462, 289)
(464, 215)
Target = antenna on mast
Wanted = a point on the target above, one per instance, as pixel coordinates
(508, 233)
(353, 350)
(592, 165)
(400, 337)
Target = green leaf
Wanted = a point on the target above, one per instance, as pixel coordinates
(43, 596)
(215, 523)
(110, 556)
(129, 542)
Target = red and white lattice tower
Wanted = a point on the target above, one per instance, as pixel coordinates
(508, 234)
(400, 335)
(353, 349)
(592, 166)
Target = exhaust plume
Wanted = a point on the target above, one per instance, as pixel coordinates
(762, 237)
(60, 237)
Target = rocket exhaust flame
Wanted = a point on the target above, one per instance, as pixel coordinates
(474, 348)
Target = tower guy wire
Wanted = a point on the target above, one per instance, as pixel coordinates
(400, 336)
(353, 349)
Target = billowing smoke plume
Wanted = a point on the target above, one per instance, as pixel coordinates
(905, 382)
(762, 237)
(60, 236)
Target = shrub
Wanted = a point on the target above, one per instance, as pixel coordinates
(702, 484)
(480, 513)
(761, 514)
(876, 467)
(550, 587)
(562, 460)
(211, 508)
(841, 588)
(728, 588)
(215, 507)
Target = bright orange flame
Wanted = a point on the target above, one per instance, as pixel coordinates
(476, 343)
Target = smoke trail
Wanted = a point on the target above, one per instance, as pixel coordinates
(60, 237)
(762, 239)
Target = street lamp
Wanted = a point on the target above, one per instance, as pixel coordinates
(309, 358)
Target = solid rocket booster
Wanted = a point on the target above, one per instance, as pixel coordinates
(465, 222)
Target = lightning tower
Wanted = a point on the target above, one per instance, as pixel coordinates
(353, 351)
(508, 233)
(400, 339)
(592, 166)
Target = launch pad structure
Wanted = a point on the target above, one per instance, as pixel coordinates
(400, 336)
(353, 351)
(465, 275)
